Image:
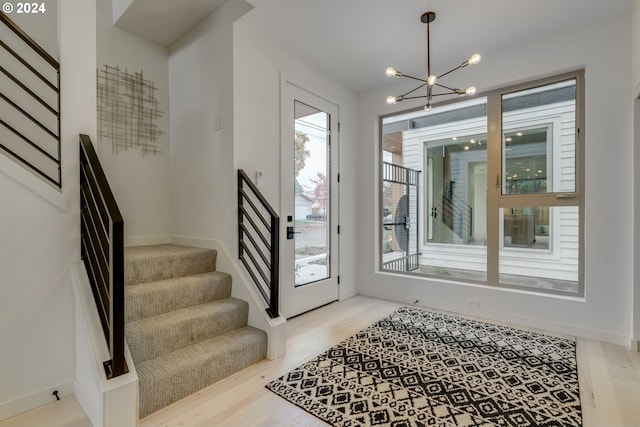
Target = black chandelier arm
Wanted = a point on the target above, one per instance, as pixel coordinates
(412, 90)
(446, 93)
(425, 96)
(450, 71)
(453, 90)
(415, 97)
(414, 78)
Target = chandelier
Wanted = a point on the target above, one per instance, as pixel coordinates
(432, 80)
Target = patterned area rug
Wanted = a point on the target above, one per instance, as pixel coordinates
(421, 368)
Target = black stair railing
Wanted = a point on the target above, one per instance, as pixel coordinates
(29, 103)
(259, 241)
(102, 241)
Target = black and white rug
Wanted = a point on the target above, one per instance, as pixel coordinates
(421, 368)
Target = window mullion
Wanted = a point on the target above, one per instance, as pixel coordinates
(494, 173)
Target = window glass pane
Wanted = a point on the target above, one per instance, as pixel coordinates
(457, 190)
(540, 247)
(526, 228)
(539, 139)
(524, 174)
(447, 147)
(312, 194)
(400, 216)
(456, 201)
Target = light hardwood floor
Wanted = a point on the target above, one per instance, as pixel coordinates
(609, 378)
(66, 412)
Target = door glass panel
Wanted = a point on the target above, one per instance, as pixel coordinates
(311, 194)
(539, 139)
(540, 247)
(447, 149)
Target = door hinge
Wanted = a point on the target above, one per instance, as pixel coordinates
(338, 126)
(338, 229)
(338, 279)
(338, 177)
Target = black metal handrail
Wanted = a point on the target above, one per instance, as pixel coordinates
(259, 241)
(41, 154)
(102, 242)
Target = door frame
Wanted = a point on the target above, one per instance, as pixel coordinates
(297, 300)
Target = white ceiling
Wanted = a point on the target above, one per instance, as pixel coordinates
(353, 41)
(164, 21)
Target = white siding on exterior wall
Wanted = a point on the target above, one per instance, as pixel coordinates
(560, 261)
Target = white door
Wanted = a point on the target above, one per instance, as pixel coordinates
(309, 244)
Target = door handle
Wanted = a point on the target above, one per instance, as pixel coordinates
(291, 231)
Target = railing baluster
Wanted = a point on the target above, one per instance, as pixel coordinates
(271, 243)
(28, 118)
(103, 228)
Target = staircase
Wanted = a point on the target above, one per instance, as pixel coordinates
(183, 328)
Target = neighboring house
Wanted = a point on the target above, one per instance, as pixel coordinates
(303, 205)
(540, 159)
(220, 85)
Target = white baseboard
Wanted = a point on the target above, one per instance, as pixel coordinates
(197, 242)
(511, 319)
(634, 345)
(34, 400)
(347, 294)
(146, 240)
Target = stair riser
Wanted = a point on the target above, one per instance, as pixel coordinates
(175, 379)
(149, 338)
(150, 299)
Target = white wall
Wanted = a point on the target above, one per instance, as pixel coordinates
(605, 312)
(41, 27)
(257, 72)
(140, 183)
(202, 170)
(39, 240)
(635, 60)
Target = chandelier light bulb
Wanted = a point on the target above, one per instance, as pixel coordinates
(391, 100)
(392, 72)
(475, 58)
(427, 106)
(471, 90)
(431, 80)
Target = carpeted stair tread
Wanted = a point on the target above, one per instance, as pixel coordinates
(164, 333)
(159, 262)
(153, 298)
(172, 376)
(183, 328)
